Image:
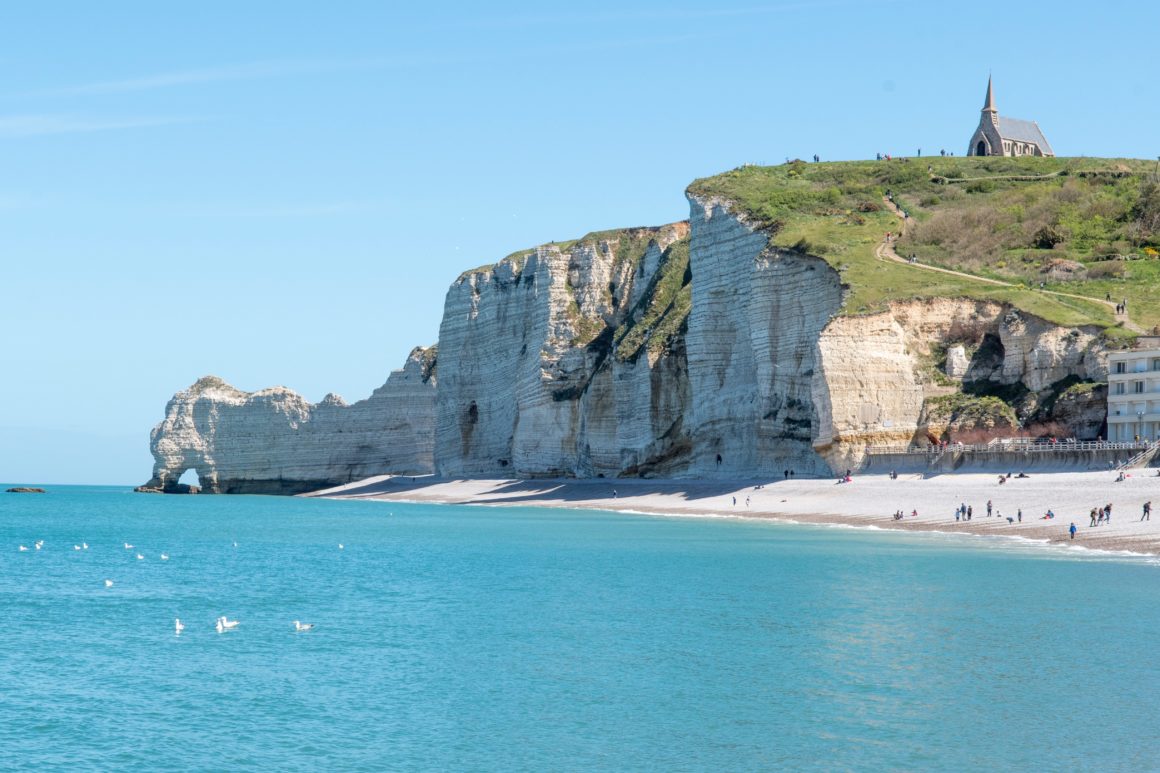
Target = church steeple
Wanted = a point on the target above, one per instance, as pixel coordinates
(989, 105)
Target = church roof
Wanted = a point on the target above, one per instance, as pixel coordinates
(1023, 131)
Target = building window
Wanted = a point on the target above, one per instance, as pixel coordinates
(1139, 387)
(1156, 363)
(1121, 367)
(1120, 388)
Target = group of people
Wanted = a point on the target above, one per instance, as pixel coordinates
(1101, 515)
(888, 157)
(965, 512)
(899, 515)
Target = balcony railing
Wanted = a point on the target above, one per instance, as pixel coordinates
(1018, 445)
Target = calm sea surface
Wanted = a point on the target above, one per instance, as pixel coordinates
(497, 639)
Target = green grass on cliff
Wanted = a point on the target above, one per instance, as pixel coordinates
(663, 307)
(1084, 226)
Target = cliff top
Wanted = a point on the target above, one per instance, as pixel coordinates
(628, 244)
(1086, 228)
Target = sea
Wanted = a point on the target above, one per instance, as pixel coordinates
(460, 638)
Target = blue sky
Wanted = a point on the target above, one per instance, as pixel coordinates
(280, 193)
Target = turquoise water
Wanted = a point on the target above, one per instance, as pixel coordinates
(460, 638)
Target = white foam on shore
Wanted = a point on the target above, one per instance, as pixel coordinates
(1027, 546)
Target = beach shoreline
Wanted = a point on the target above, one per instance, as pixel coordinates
(868, 500)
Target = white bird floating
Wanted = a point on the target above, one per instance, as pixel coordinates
(23, 548)
(225, 624)
(302, 627)
(164, 556)
(341, 546)
(76, 547)
(39, 544)
(108, 583)
(84, 546)
(235, 543)
(128, 546)
(178, 626)
(140, 557)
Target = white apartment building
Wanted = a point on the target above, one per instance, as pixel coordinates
(1134, 392)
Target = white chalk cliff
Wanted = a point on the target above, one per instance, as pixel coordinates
(538, 382)
(694, 349)
(274, 441)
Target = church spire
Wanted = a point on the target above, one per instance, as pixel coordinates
(989, 105)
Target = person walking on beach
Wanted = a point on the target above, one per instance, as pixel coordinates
(786, 473)
(1093, 514)
(957, 514)
(988, 508)
(1147, 515)
(1072, 529)
(1019, 515)
(970, 512)
(747, 501)
(1108, 513)
(735, 501)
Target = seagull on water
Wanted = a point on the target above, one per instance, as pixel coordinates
(164, 556)
(76, 547)
(140, 557)
(341, 546)
(23, 548)
(178, 626)
(225, 624)
(108, 583)
(84, 546)
(302, 627)
(128, 546)
(39, 544)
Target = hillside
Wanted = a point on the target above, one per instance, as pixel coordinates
(1081, 226)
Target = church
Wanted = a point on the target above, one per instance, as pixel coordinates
(1006, 136)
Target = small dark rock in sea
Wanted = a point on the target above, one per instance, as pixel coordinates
(25, 490)
(180, 488)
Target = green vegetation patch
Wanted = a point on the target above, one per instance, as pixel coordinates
(1085, 226)
(972, 410)
(663, 308)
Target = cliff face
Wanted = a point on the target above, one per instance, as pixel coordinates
(536, 377)
(698, 348)
(275, 442)
(882, 376)
(753, 331)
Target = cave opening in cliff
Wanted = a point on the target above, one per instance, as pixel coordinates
(190, 478)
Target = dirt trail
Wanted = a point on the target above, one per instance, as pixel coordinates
(885, 251)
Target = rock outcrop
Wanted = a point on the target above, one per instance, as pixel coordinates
(276, 442)
(545, 369)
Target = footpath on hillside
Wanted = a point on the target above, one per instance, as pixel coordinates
(886, 251)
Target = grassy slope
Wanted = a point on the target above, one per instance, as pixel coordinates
(960, 203)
